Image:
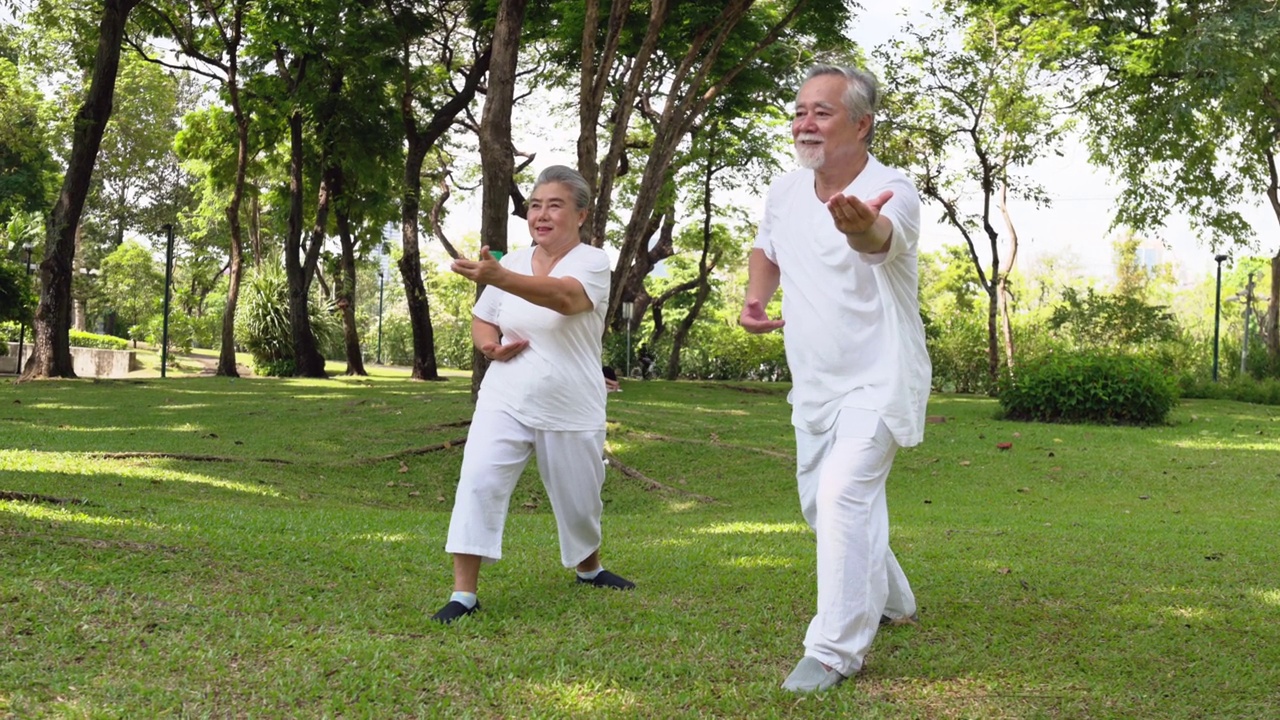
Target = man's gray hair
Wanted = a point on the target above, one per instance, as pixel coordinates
(571, 179)
(862, 94)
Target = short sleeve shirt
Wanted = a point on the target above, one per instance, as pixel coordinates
(853, 333)
(555, 383)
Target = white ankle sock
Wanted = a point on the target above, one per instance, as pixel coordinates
(466, 598)
(591, 575)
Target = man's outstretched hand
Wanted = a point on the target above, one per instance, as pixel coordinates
(754, 319)
(852, 216)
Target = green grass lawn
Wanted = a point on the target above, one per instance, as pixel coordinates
(286, 562)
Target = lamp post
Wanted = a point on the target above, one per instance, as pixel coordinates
(168, 280)
(22, 328)
(1217, 314)
(628, 306)
(80, 319)
(382, 276)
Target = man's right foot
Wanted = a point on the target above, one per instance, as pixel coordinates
(912, 619)
(453, 611)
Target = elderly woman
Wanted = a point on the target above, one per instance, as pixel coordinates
(540, 320)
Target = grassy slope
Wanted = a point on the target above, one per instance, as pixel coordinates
(1086, 572)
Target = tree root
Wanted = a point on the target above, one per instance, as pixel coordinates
(33, 497)
(648, 482)
(446, 445)
(715, 442)
(181, 456)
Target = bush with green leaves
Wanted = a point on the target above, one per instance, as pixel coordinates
(1241, 388)
(1090, 387)
(17, 293)
(181, 331)
(1105, 320)
(94, 340)
(957, 344)
(263, 327)
(721, 351)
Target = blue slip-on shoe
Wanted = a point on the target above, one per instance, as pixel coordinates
(452, 611)
(607, 579)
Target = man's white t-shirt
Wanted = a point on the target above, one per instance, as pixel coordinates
(555, 383)
(853, 332)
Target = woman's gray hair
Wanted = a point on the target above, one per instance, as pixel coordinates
(861, 95)
(571, 179)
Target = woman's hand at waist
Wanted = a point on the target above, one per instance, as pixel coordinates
(501, 353)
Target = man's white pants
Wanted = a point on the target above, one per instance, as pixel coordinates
(841, 476)
(498, 448)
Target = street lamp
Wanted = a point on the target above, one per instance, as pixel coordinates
(1217, 314)
(168, 280)
(22, 328)
(383, 267)
(82, 311)
(628, 307)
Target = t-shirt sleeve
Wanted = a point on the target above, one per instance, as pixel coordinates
(488, 304)
(764, 235)
(592, 270)
(903, 211)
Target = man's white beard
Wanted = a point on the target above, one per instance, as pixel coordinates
(809, 156)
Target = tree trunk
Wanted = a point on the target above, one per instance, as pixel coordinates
(307, 359)
(1271, 328)
(50, 342)
(1006, 320)
(497, 155)
(417, 143)
(682, 330)
(993, 298)
(235, 270)
(691, 93)
(415, 292)
(255, 229)
(593, 82)
(344, 283)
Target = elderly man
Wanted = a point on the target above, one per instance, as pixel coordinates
(839, 235)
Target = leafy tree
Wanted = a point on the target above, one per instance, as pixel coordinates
(51, 348)
(949, 280)
(136, 180)
(132, 283)
(1094, 320)
(28, 171)
(1182, 105)
(211, 37)
(963, 120)
(440, 74)
(17, 297)
(670, 69)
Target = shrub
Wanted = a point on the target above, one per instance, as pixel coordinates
(17, 294)
(716, 351)
(957, 346)
(1090, 387)
(263, 327)
(273, 368)
(1243, 389)
(93, 340)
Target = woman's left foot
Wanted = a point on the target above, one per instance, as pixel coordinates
(453, 611)
(606, 579)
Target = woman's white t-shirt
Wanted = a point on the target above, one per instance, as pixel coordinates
(555, 383)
